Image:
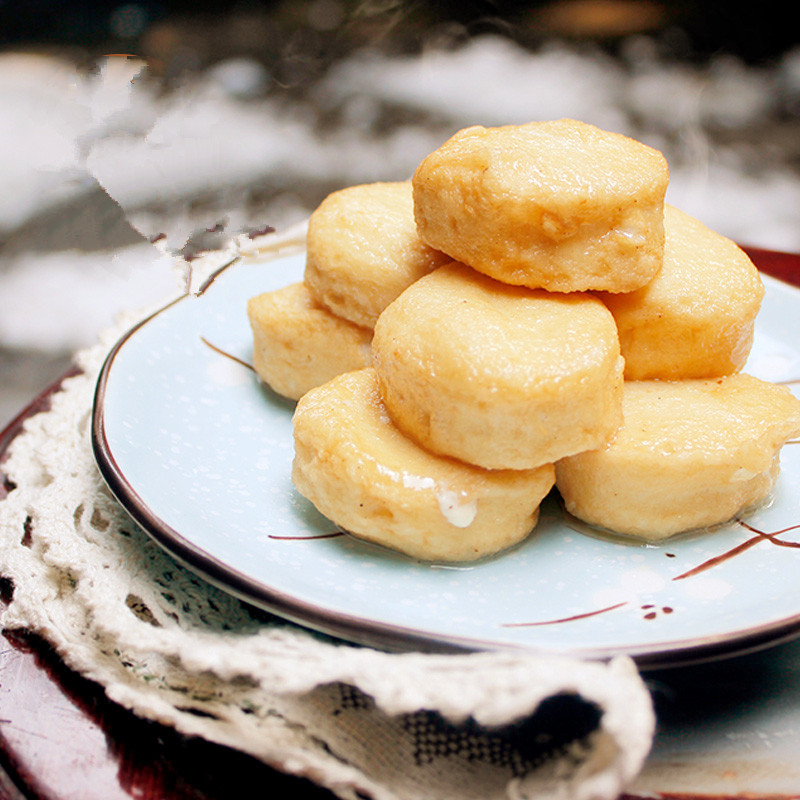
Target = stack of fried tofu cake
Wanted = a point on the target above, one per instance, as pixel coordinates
(526, 312)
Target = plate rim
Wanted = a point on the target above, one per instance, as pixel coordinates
(389, 636)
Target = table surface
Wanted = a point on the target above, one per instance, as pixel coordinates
(727, 729)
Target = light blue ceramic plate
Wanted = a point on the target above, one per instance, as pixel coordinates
(200, 453)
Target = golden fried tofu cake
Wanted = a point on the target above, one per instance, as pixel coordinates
(362, 473)
(691, 454)
(298, 344)
(363, 249)
(695, 319)
(499, 376)
(559, 205)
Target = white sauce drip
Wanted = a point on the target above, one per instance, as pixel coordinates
(457, 510)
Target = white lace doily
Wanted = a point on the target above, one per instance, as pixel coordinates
(361, 722)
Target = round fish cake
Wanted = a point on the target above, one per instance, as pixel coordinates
(499, 376)
(695, 318)
(691, 454)
(362, 473)
(558, 205)
(297, 344)
(363, 249)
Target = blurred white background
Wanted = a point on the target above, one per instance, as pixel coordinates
(123, 121)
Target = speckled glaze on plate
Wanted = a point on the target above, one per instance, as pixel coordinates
(199, 453)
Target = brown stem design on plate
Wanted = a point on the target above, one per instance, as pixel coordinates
(706, 565)
(271, 536)
(773, 537)
(573, 618)
(227, 355)
(760, 536)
